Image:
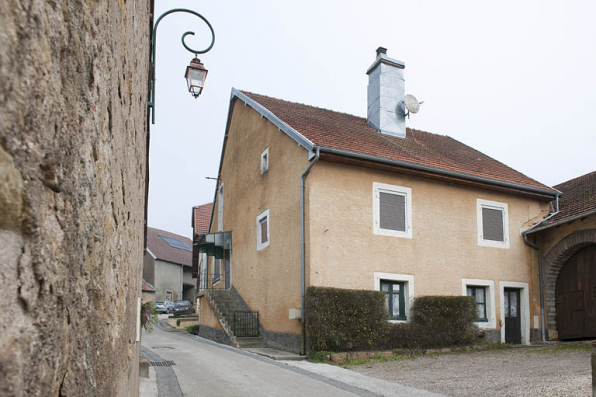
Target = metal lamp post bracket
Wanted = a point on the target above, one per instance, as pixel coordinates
(151, 104)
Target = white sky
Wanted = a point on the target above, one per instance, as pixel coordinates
(513, 79)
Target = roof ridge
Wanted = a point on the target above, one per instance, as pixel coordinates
(575, 179)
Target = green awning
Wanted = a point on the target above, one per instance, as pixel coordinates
(213, 244)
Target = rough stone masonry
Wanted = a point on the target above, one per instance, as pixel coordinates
(73, 108)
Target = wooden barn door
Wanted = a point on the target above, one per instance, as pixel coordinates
(576, 296)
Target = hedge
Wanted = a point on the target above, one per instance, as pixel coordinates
(342, 319)
(347, 320)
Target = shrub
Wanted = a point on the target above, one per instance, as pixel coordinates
(178, 323)
(445, 320)
(345, 320)
(193, 329)
(148, 316)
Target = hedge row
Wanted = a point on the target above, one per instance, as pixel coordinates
(347, 320)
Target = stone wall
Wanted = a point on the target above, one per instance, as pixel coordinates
(73, 95)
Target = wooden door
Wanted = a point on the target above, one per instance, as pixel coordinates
(576, 296)
(228, 269)
(512, 316)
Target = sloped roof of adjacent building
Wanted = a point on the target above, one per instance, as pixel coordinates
(329, 129)
(201, 216)
(578, 199)
(169, 246)
(146, 287)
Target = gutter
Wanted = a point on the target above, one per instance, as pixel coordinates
(566, 220)
(438, 171)
(303, 254)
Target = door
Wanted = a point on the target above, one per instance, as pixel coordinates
(512, 316)
(576, 296)
(228, 268)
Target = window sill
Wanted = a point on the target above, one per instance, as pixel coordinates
(397, 321)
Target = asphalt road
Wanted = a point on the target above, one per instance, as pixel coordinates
(205, 368)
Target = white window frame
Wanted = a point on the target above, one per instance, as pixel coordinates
(489, 286)
(408, 281)
(524, 307)
(480, 203)
(261, 245)
(393, 189)
(265, 161)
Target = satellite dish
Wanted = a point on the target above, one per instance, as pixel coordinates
(412, 104)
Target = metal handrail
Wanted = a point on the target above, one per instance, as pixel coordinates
(244, 323)
(211, 281)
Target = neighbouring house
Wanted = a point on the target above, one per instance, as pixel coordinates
(311, 197)
(147, 292)
(201, 215)
(566, 244)
(167, 265)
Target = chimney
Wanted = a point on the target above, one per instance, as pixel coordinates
(386, 91)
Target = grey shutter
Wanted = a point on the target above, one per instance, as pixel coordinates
(492, 224)
(392, 211)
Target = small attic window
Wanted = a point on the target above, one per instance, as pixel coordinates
(265, 161)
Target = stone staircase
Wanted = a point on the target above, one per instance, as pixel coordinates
(223, 303)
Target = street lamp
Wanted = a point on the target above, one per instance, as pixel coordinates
(195, 72)
(195, 77)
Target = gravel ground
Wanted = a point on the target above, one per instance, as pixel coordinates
(509, 372)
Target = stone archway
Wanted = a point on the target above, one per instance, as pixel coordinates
(554, 261)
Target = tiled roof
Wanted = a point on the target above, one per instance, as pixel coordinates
(201, 218)
(147, 287)
(579, 197)
(335, 130)
(160, 247)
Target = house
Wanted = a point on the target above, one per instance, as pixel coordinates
(311, 197)
(566, 246)
(201, 216)
(167, 265)
(147, 292)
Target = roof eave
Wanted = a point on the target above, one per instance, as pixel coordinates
(438, 171)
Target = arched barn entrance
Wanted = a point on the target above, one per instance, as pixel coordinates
(568, 295)
(575, 296)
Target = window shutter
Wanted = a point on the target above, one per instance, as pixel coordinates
(392, 211)
(492, 224)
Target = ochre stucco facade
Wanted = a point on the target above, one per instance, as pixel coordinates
(341, 249)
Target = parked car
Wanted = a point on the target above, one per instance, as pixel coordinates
(183, 307)
(164, 306)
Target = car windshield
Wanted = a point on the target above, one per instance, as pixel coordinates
(159, 303)
(182, 303)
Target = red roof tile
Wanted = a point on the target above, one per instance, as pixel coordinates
(169, 247)
(579, 197)
(201, 218)
(331, 129)
(147, 287)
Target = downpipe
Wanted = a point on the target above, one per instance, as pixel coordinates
(303, 254)
(540, 272)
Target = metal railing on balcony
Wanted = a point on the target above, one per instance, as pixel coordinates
(210, 281)
(243, 323)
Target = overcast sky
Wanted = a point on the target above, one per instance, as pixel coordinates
(513, 79)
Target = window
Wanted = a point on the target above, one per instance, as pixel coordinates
(484, 293)
(263, 230)
(265, 161)
(399, 292)
(392, 210)
(216, 271)
(493, 224)
(479, 293)
(394, 292)
(220, 208)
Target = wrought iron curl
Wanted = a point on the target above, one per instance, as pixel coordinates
(188, 48)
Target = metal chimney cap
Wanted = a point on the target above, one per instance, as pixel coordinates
(381, 50)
